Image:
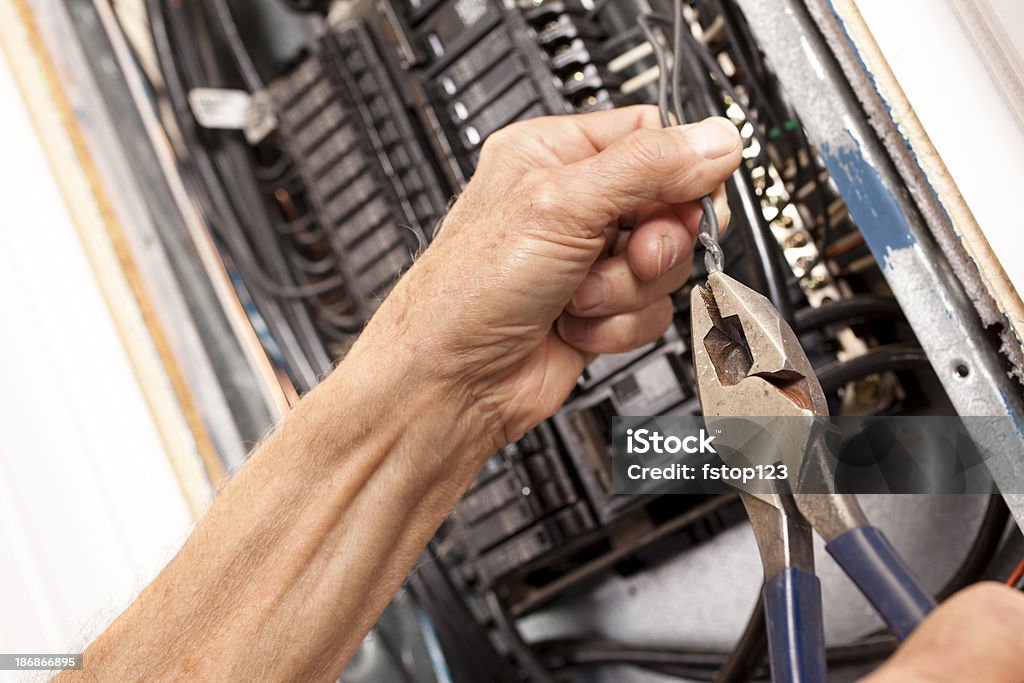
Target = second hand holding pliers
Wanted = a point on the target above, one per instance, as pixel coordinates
(749, 363)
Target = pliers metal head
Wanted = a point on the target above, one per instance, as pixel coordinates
(748, 362)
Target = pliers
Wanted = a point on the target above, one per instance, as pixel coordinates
(749, 363)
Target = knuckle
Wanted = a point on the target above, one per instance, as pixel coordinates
(546, 202)
(650, 148)
(499, 140)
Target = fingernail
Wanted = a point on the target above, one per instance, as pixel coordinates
(667, 254)
(712, 138)
(574, 330)
(591, 294)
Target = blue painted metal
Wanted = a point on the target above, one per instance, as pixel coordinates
(878, 215)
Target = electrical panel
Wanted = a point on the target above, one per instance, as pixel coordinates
(381, 123)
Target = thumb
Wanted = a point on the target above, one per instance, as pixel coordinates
(977, 635)
(671, 166)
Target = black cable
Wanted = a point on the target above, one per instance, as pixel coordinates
(982, 550)
(749, 651)
(746, 661)
(683, 37)
(709, 234)
(739, 56)
(523, 652)
(677, 71)
(646, 24)
(856, 308)
(469, 652)
(241, 195)
(711, 665)
(709, 230)
(239, 53)
(696, 664)
(884, 358)
(711, 64)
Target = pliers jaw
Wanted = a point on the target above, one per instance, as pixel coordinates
(748, 359)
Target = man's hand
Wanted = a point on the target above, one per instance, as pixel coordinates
(513, 298)
(977, 636)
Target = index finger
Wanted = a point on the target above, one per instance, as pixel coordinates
(574, 138)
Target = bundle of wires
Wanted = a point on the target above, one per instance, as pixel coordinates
(221, 173)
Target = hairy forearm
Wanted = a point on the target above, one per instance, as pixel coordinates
(306, 545)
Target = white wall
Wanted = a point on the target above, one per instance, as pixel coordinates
(961, 108)
(89, 506)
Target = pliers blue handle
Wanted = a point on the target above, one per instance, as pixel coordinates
(796, 638)
(871, 562)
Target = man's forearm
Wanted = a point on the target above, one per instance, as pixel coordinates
(307, 544)
(473, 346)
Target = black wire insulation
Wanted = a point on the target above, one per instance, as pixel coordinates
(177, 64)
(526, 655)
(983, 549)
(750, 650)
(720, 667)
(229, 29)
(856, 308)
(709, 234)
(884, 358)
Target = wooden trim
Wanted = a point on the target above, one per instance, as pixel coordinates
(191, 453)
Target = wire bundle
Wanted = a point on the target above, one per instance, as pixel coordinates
(714, 257)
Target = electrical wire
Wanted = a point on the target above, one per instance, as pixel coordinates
(753, 643)
(733, 26)
(469, 653)
(749, 651)
(709, 233)
(711, 64)
(243, 60)
(741, 192)
(856, 308)
(683, 40)
(180, 69)
(505, 624)
(983, 548)
(747, 661)
(884, 358)
(661, 58)
(696, 664)
(1016, 579)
